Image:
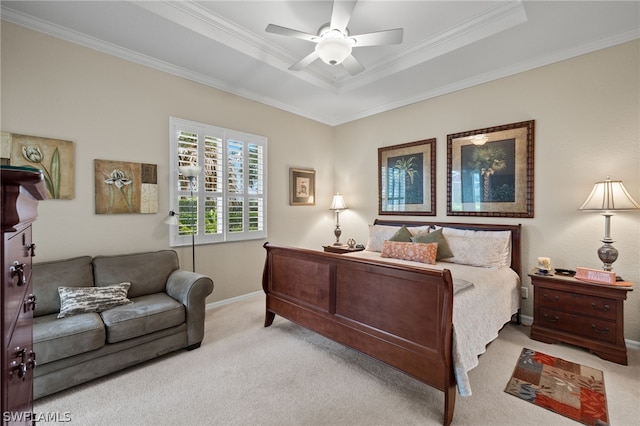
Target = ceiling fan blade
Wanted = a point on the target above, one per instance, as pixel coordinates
(352, 65)
(306, 61)
(379, 38)
(277, 29)
(341, 14)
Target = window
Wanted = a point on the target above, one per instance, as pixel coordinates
(227, 200)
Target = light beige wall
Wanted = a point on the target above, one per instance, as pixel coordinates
(587, 128)
(117, 110)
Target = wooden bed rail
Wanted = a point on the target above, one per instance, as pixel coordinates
(399, 315)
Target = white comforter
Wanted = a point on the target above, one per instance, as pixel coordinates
(478, 312)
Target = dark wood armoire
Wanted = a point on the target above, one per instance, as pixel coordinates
(22, 187)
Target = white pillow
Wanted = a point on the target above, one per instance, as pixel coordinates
(378, 234)
(479, 248)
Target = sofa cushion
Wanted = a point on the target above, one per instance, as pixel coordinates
(80, 300)
(147, 272)
(145, 315)
(57, 338)
(48, 276)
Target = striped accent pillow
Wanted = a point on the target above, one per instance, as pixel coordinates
(80, 300)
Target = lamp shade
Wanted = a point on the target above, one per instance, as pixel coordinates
(609, 195)
(189, 171)
(338, 203)
(172, 218)
(333, 51)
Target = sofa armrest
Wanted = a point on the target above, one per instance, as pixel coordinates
(191, 289)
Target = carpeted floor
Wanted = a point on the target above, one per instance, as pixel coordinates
(245, 374)
(570, 389)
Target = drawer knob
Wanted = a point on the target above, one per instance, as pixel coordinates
(550, 318)
(30, 303)
(600, 330)
(601, 309)
(17, 269)
(17, 369)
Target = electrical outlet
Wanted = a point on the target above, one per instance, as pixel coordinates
(524, 292)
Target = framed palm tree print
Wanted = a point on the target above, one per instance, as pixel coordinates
(407, 179)
(490, 171)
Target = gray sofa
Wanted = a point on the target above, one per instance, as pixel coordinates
(167, 314)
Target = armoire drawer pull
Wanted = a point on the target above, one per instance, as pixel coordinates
(17, 269)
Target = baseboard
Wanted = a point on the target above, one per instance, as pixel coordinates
(233, 300)
(631, 344)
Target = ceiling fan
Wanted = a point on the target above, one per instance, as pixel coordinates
(333, 41)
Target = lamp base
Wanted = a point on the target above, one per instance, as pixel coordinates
(337, 232)
(607, 254)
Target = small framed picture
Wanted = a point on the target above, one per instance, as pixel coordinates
(302, 187)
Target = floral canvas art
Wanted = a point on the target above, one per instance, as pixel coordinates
(125, 187)
(53, 157)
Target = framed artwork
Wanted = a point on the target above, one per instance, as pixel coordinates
(490, 171)
(407, 179)
(54, 157)
(123, 187)
(302, 187)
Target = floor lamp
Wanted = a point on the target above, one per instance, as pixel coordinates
(191, 173)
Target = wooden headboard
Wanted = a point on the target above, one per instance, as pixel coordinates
(516, 250)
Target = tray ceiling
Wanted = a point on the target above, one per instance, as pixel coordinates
(447, 45)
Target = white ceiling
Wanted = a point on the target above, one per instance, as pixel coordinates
(447, 46)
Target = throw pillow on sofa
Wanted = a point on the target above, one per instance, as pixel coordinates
(79, 300)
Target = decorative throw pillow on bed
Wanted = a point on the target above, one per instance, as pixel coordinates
(402, 234)
(80, 300)
(417, 252)
(444, 251)
(380, 233)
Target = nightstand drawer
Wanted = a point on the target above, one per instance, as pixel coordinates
(591, 328)
(584, 304)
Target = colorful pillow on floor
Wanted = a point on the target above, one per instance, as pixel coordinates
(417, 252)
(80, 300)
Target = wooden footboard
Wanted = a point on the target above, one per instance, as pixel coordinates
(399, 315)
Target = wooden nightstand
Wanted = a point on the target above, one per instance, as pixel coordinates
(340, 249)
(583, 314)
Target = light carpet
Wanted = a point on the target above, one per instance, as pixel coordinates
(245, 374)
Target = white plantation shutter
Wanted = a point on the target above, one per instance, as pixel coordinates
(229, 200)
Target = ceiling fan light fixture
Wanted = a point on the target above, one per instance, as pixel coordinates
(333, 51)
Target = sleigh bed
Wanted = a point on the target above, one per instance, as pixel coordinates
(431, 321)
